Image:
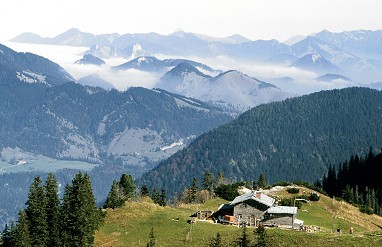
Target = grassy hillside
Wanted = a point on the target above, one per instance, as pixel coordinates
(131, 225)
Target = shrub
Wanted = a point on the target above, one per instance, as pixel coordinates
(366, 209)
(293, 190)
(290, 202)
(314, 197)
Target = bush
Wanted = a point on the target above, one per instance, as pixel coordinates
(366, 209)
(314, 197)
(290, 202)
(293, 190)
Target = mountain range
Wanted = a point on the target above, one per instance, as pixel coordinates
(357, 54)
(296, 139)
(57, 118)
(232, 90)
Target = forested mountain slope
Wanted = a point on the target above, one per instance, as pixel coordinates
(294, 139)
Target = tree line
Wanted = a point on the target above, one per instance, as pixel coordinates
(125, 189)
(50, 221)
(289, 140)
(357, 181)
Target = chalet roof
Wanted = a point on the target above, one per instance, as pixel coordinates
(256, 196)
(225, 206)
(282, 210)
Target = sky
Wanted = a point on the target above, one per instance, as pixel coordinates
(254, 19)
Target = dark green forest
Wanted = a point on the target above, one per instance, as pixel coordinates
(52, 221)
(296, 139)
(357, 181)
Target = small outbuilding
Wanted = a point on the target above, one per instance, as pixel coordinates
(202, 214)
(281, 216)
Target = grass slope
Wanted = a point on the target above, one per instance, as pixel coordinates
(131, 225)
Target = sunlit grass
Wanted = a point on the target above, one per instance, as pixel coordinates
(131, 225)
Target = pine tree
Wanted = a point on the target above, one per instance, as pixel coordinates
(152, 240)
(144, 191)
(356, 195)
(261, 237)
(216, 241)
(52, 210)
(13, 235)
(113, 199)
(80, 214)
(21, 233)
(208, 182)
(243, 240)
(193, 190)
(128, 186)
(262, 182)
(6, 237)
(220, 180)
(163, 198)
(155, 196)
(36, 214)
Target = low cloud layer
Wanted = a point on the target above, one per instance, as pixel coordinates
(289, 79)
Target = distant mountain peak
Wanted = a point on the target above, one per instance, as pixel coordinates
(317, 63)
(90, 59)
(238, 38)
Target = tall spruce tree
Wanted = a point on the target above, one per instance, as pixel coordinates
(52, 210)
(262, 182)
(193, 190)
(113, 199)
(243, 240)
(208, 183)
(80, 214)
(152, 240)
(155, 196)
(163, 198)
(6, 237)
(144, 191)
(127, 186)
(261, 237)
(21, 233)
(36, 214)
(216, 241)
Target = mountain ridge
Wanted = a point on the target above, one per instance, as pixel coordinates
(289, 140)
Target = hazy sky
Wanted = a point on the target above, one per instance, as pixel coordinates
(255, 19)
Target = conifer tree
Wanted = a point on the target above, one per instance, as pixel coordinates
(155, 196)
(6, 237)
(152, 240)
(216, 241)
(208, 182)
(261, 237)
(144, 191)
(193, 190)
(163, 198)
(13, 235)
(128, 186)
(36, 214)
(52, 210)
(243, 240)
(21, 232)
(262, 182)
(220, 180)
(113, 199)
(80, 214)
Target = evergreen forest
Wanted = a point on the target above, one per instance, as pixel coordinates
(295, 139)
